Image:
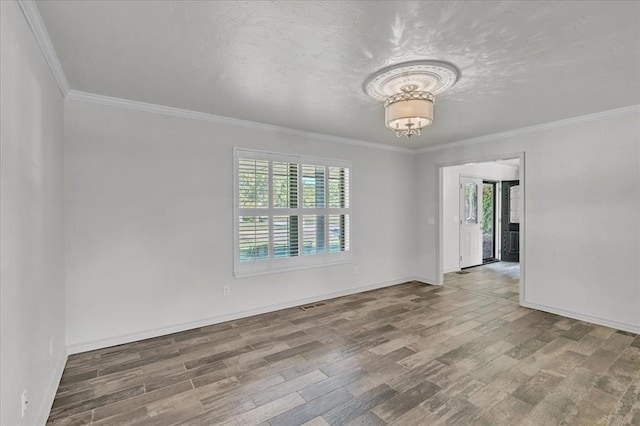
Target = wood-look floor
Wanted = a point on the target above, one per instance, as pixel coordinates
(410, 354)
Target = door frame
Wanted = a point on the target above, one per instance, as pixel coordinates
(495, 257)
(523, 200)
(503, 228)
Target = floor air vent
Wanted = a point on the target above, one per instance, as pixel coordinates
(315, 305)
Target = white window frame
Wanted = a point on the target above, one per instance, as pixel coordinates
(301, 261)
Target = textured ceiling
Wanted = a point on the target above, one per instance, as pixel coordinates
(302, 64)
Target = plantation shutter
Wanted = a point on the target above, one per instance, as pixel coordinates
(291, 212)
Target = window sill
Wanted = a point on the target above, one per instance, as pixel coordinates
(247, 274)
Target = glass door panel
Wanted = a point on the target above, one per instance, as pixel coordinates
(488, 220)
(470, 203)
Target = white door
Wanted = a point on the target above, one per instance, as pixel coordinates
(470, 221)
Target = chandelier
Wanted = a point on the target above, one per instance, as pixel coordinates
(408, 91)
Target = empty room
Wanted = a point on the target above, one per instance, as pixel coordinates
(319, 212)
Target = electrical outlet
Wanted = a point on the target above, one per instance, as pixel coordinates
(226, 290)
(356, 270)
(51, 345)
(24, 401)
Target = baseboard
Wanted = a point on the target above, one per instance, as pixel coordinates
(430, 281)
(75, 348)
(446, 271)
(50, 394)
(584, 317)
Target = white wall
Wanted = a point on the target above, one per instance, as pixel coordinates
(582, 203)
(149, 216)
(31, 224)
(451, 203)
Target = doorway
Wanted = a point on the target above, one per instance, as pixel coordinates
(510, 221)
(457, 216)
(488, 222)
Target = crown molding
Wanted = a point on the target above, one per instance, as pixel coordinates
(532, 129)
(32, 15)
(76, 95)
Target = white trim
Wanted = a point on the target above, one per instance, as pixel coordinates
(483, 159)
(507, 165)
(218, 119)
(632, 328)
(425, 280)
(523, 226)
(532, 129)
(52, 389)
(449, 270)
(291, 268)
(75, 348)
(440, 249)
(32, 15)
(259, 154)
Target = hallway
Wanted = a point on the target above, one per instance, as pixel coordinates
(500, 279)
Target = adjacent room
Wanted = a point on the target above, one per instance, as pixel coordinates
(480, 222)
(319, 213)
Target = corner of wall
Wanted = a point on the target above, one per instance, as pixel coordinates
(52, 388)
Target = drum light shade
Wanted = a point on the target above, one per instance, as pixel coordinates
(408, 117)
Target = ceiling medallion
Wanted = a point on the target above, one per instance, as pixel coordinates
(408, 91)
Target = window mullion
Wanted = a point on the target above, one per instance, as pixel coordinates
(326, 211)
(294, 240)
(337, 211)
(243, 211)
(301, 202)
(314, 211)
(341, 187)
(270, 209)
(285, 211)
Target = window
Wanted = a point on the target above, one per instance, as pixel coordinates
(470, 203)
(291, 212)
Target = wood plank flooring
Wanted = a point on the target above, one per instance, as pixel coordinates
(412, 354)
